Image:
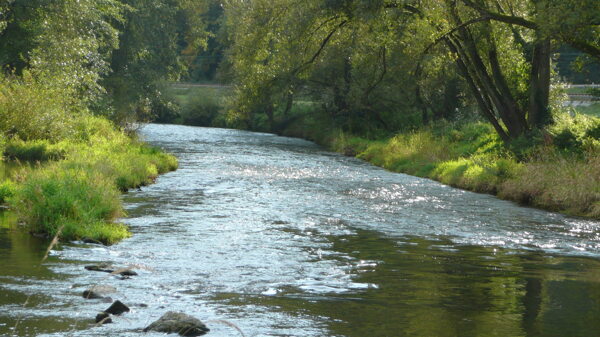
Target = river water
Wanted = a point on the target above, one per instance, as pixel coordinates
(281, 238)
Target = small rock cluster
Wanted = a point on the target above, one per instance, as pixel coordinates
(170, 322)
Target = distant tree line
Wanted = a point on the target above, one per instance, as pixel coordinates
(363, 65)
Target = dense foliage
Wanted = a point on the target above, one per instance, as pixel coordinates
(391, 65)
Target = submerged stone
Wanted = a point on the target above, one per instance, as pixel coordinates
(103, 267)
(177, 322)
(117, 308)
(103, 318)
(108, 268)
(97, 292)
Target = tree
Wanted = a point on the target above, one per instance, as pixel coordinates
(156, 38)
(342, 55)
(481, 33)
(67, 43)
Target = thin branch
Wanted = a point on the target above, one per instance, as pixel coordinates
(381, 76)
(321, 47)
(513, 20)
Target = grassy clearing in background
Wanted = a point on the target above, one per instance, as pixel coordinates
(591, 110)
(200, 105)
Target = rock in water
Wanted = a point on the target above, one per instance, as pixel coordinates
(103, 267)
(128, 273)
(103, 318)
(98, 292)
(117, 308)
(177, 322)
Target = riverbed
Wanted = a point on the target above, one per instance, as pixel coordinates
(281, 238)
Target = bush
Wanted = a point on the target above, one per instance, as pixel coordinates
(202, 108)
(30, 109)
(7, 190)
(556, 169)
(91, 160)
(2, 145)
(559, 182)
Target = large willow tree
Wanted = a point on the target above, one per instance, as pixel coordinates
(503, 49)
(380, 59)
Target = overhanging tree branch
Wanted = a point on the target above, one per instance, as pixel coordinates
(321, 48)
(513, 20)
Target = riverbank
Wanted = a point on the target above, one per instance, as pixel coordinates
(560, 174)
(68, 166)
(74, 186)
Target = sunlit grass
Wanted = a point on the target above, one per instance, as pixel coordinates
(562, 176)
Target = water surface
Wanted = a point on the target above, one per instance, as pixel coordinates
(282, 238)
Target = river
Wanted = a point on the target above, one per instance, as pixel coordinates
(282, 238)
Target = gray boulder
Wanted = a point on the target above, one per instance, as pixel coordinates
(177, 322)
(98, 292)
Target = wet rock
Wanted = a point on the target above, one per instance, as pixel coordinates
(98, 292)
(128, 273)
(103, 267)
(103, 318)
(108, 268)
(177, 322)
(117, 308)
(89, 240)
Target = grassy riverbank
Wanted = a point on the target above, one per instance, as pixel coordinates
(74, 164)
(561, 173)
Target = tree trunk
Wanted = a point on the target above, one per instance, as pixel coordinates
(270, 115)
(539, 87)
(482, 100)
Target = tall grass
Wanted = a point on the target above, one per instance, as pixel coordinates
(81, 200)
(561, 175)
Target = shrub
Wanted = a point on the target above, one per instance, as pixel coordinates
(558, 181)
(7, 190)
(30, 109)
(203, 108)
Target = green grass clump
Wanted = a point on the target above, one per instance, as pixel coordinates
(7, 190)
(38, 150)
(84, 162)
(559, 182)
(79, 200)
